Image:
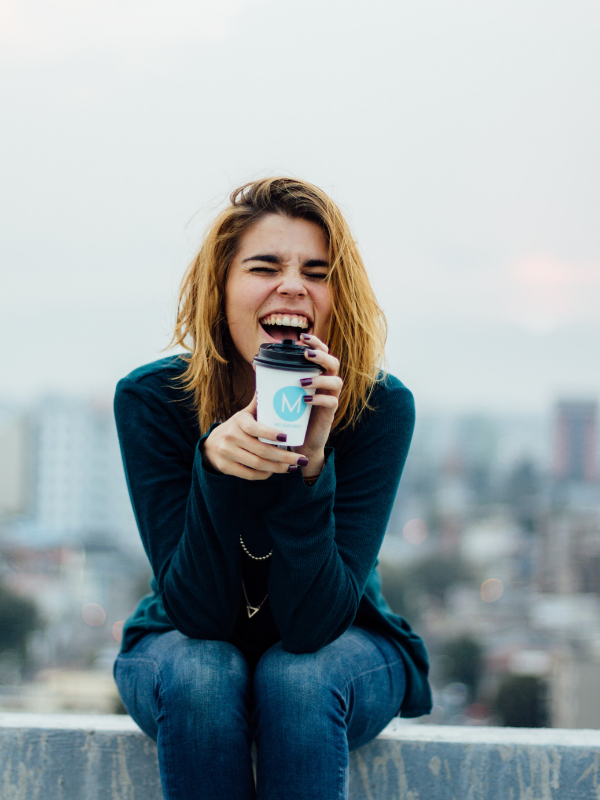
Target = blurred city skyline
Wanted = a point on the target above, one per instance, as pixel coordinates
(492, 552)
(460, 140)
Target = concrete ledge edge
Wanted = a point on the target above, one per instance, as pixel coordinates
(397, 730)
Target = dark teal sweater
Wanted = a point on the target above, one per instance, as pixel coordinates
(322, 576)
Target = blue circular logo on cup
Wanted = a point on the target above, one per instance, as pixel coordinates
(288, 403)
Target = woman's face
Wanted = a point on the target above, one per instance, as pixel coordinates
(276, 287)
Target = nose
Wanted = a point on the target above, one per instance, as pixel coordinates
(291, 285)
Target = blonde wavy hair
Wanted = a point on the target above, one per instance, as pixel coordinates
(357, 327)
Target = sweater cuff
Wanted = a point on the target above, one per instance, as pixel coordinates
(297, 493)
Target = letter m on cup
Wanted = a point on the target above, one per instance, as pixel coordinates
(288, 403)
(293, 409)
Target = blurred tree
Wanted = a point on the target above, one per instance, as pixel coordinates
(399, 591)
(521, 702)
(437, 572)
(404, 588)
(464, 662)
(18, 619)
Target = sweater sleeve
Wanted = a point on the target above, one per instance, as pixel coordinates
(182, 512)
(326, 538)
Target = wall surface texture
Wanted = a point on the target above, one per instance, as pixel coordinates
(75, 757)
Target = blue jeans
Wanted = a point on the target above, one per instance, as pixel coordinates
(204, 706)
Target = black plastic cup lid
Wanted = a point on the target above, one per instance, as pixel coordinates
(284, 355)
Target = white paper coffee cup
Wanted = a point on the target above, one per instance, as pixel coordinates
(280, 396)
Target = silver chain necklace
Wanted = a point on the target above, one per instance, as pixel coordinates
(248, 553)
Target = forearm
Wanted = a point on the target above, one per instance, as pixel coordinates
(312, 592)
(190, 542)
(327, 538)
(201, 584)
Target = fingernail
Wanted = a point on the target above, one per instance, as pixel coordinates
(292, 468)
(302, 461)
(311, 353)
(308, 398)
(305, 336)
(281, 437)
(306, 382)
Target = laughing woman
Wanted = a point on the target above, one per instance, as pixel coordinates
(266, 621)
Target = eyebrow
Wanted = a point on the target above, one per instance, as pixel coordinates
(270, 258)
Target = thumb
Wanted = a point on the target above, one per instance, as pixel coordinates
(251, 407)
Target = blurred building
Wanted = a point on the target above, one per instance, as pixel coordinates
(476, 447)
(568, 556)
(82, 595)
(69, 543)
(507, 557)
(15, 463)
(76, 487)
(575, 456)
(494, 538)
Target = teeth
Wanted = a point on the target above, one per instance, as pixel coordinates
(285, 319)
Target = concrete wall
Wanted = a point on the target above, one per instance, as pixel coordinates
(76, 757)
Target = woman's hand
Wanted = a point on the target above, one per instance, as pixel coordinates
(233, 448)
(325, 402)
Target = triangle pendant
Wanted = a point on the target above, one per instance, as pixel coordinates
(252, 610)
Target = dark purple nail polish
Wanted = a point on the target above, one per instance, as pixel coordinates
(281, 437)
(305, 336)
(311, 353)
(306, 382)
(308, 398)
(292, 468)
(302, 461)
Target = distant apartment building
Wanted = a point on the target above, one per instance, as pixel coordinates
(575, 457)
(77, 489)
(80, 486)
(15, 463)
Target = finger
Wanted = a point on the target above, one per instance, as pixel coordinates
(251, 407)
(324, 383)
(330, 363)
(249, 459)
(313, 341)
(270, 453)
(237, 441)
(227, 466)
(250, 426)
(233, 442)
(322, 400)
(249, 474)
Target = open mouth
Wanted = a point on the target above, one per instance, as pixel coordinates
(285, 326)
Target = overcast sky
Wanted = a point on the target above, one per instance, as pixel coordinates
(462, 140)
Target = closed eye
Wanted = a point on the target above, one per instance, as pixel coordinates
(319, 276)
